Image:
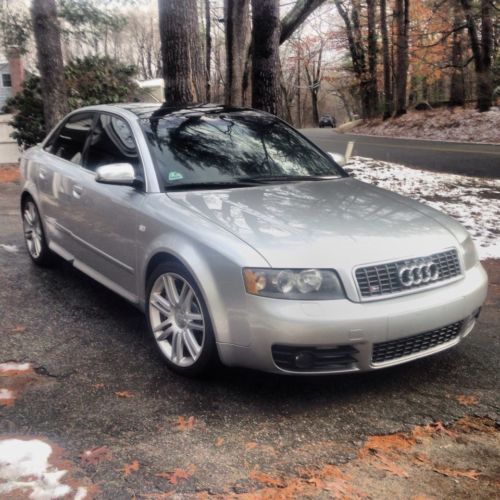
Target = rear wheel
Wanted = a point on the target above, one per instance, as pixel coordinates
(179, 321)
(34, 235)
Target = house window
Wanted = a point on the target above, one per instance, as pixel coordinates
(6, 80)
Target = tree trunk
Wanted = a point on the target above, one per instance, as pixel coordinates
(357, 51)
(265, 55)
(50, 61)
(372, 59)
(296, 16)
(208, 50)
(195, 44)
(485, 78)
(457, 83)
(176, 52)
(402, 16)
(481, 51)
(388, 98)
(236, 21)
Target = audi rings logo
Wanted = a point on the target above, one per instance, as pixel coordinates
(418, 273)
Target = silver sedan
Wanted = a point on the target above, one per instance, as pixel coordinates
(245, 243)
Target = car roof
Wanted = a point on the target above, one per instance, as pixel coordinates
(147, 111)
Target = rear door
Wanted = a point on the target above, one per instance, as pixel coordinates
(58, 172)
(105, 217)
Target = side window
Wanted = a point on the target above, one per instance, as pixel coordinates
(112, 141)
(69, 141)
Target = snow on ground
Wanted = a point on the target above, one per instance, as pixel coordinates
(25, 467)
(14, 367)
(473, 201)
(443, 124)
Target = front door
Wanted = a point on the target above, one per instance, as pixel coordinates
(105, 216)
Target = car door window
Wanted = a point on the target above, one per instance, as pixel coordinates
(112, 141)
(69, 141)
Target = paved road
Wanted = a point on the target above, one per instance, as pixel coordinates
(88, 346)
(471, 159)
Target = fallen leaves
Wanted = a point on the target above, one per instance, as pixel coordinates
(18, 329)
(175, 475)
(9, 173)
(96, 455)
(467, 400)
(264, 478)
(219, 442)
(127, 469)
(183, 424)
(469, 474)
(124, 394)
(250, 446)
(14, 378)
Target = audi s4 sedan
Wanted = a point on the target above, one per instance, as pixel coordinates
(243, 242)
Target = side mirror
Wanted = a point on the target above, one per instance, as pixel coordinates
(116, 173)
(339, 159)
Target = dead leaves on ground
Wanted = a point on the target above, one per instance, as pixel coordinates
(127, 469)
(124, 394)
(15, 378)
(183, 424)
(465, 400)
(175, 475)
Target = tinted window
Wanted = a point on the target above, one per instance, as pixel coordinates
(69, 141)
(112, 141)
(220, 147)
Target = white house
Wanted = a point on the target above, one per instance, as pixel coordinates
(5, 82)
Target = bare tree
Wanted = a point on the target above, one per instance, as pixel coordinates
(237, 24)
(296, 16)
(386, 56)
(208, 51)
(372, 59)
(177, 50)
(482, 51)
(402, 18)
(50, 61)
(265, 56)
(457, 82)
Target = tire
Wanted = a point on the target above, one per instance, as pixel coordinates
(34, 235)
(176, 309)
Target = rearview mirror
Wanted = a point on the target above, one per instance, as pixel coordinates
(116, 173)
(338, 159)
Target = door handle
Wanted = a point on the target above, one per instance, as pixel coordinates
(77, 191)
(42, 173)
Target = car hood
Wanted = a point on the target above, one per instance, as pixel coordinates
(325, 224)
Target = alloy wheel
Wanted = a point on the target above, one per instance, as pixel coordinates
(32, 230)
(177, 319)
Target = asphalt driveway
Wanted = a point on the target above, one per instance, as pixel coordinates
(96, 384)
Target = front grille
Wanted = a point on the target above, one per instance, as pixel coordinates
(383, 279)
(308, 358)
(394, 349)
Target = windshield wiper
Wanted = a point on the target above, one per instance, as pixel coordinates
(190, 186)
(287, 178)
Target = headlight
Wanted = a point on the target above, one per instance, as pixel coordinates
(470, 253)
(301, 284)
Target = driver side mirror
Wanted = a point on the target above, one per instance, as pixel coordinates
(122, 174)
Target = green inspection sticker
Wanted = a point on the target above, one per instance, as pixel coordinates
(175, 176)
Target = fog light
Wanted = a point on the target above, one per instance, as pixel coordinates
(303, 360)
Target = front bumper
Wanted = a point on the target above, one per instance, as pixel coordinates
(357, 327)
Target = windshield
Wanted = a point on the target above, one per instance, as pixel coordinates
(232, 148)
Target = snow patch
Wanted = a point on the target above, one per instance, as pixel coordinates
(24, 465)
(473, 201)
(14, 367)
(6, 394)
(9, 248)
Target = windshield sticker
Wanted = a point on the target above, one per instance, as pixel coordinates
(175, 176)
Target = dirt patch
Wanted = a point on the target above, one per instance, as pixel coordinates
(457, 461)
(9, 173)
(492, 267)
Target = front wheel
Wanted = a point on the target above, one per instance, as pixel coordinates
(179, 321)
(34, 236)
